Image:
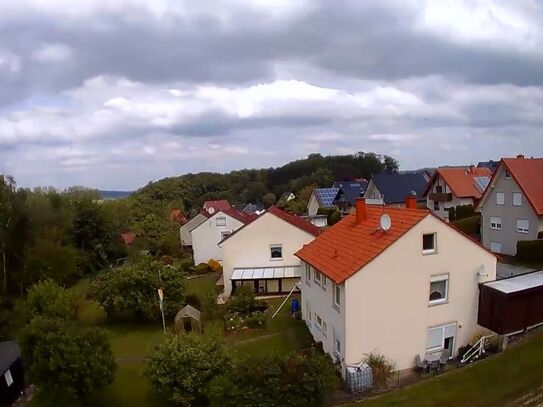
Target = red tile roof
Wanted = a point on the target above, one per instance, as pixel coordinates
(528, 174)
(294, 220)
(217, 205)
(460, 180)
(177, 215)
(346, 247)
(241, 216)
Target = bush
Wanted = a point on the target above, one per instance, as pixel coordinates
(334, 218)
(464, 211)
(193, 300)
(381, 367)
(470, 226)
(201, 268)
(255, 320)
(530, 250)
(233, 321)
(243, 301)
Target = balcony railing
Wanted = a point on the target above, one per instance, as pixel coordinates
(440, 196)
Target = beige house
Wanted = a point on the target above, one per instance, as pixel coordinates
(260, 255)
(397, 281)
(512, 205)
(184, 231)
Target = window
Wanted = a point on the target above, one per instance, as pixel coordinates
(439, 286)
(440, 337)
(507, 174)
(318, 321)
(324, 282)
(337, 295)
(436, 206)
(225, 234)
(338, 346)
(495, 222)
(429, 243)
(8, 377)
(220, 221)
(496, 247)
(439, 189)
(500, 198)
(317, 277)
(517, 199)
(308, 311)
(308, 274)
(523, 226)
(324, 328)
(276, 251)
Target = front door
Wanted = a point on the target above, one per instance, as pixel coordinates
(261, 286)
(448, 344)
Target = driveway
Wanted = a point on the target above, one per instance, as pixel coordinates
(510, 270)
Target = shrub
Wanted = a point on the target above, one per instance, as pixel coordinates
(243, 301)
(193, 300)
(530, 250)
(334, 218)
(233, 321)
(470, 226)
(255, 320)
(464, 211)
(201, 268)
(381, 367)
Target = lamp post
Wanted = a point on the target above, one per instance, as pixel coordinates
(160, 300)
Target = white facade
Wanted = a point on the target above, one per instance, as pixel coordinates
(313, 205)
(251, 247)
(385, 307)
(440, 208)
(184, 231)
(208, 234)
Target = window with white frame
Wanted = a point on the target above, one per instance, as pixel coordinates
(8, 377)
(495, 247)
(220, 221)
(337, 295)
(517, 199)
(324, 282)
(308, 311)
(523, 225)
(500, 198)
(495, 222)
(318, 277)
(439, 336)
(324, 328)
(428, 243)
(507, 174)
(439, 287)
(308, 274)
(337, 346)
(276, 251)
(225, 234)
(318, 321)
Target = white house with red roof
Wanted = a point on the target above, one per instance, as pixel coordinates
(214, 206)
(397, 281)
(260, 255)
(206, 236)
(512, 205)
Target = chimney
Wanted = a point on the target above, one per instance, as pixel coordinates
(411, 202)
(472, 169)
(520, 156)
(361, 215)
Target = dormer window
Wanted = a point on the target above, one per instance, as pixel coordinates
(429, 243)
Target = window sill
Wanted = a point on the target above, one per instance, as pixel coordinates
(523, 233)
(438, 302)
(429, 252)
(276, 259)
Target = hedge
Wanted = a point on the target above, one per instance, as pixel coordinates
(530, 250)
(470, 226)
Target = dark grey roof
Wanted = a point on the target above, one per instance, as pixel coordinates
(491, 165)
(251, 208)
(396, 186)
(351, 189)
(9, 353)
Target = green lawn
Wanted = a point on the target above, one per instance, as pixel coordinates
(201, 285)
(495, 381)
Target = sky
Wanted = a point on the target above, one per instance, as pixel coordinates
(113, 94)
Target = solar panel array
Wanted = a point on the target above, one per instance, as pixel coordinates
(481, 183)
(326, 196)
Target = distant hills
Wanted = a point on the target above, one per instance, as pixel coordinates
(115, 194)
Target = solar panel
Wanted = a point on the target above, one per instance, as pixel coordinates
(481, 183)
(326, 196)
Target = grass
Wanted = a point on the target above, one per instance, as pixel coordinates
(495, 381)
(201, 285)
(132, 340)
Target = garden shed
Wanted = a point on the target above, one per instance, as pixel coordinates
(188, 320)
(512, 305)
(12, 381)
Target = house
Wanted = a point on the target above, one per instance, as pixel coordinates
(12, 375)
(321, 198)
(512, 206)
(261, 254)
(285, 197)
(207, 235)
(491, 165)
(393, 188)
(256, 209)
(184, 231)
(128, 238)
(177, 216)
(214, 206)
(397, 281)
(349, 192)
(454, 186)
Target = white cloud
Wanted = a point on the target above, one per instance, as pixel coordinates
(51, 53)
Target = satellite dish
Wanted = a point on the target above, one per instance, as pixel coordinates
(385, 222)
(211, 210)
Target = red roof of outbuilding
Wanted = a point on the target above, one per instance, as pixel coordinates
(461, 180)
(177, 215)
(346, 247)
(528, 173)
(217, 205)
(241, 216)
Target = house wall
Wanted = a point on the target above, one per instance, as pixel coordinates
(312, 205)
(508, 235)
(205, 238)
(443, 206)
(250, 247)
(319, 301)
(372, 192)
(387, 302)
(184, 231)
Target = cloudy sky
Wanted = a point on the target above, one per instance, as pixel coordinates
(113, 93)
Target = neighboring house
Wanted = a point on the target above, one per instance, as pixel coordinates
(177, 216)
(207, 235)
(349, 192)
(254, 209)
(320, 221)
(260, 255)
(184, 231)
(454, 186)
(393, 188)
(285, 197)
(409, 290)
(214, 206)
(12, 375)
(512, 206)
(128, 238)
(321, 198)
(491, 165)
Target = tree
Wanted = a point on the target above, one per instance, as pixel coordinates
(269, 199)
(7, 197)
(391, 164)
(65, 361)
(181, 367)
(49, 260)
(133, 288)
(304, 379)
(48, 300)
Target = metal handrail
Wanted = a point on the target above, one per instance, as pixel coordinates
(476, 350)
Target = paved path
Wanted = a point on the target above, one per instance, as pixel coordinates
(509, 270)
